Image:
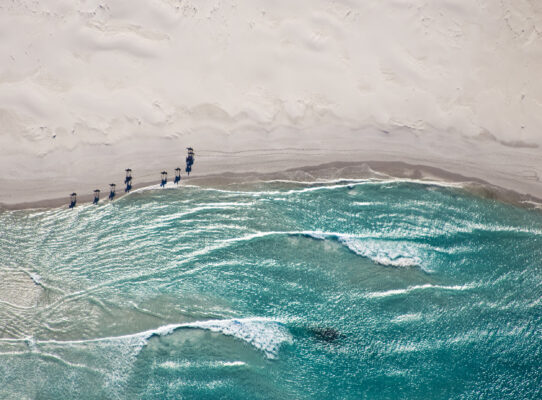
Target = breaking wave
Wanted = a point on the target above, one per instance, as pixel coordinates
(428, 286)
(384, 252)
(264, 334)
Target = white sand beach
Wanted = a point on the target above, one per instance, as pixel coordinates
(89, 88)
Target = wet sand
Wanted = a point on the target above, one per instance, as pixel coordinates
(323, 173)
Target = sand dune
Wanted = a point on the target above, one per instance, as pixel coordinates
(89, 88)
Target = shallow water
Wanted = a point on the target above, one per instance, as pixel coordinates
(358, 289)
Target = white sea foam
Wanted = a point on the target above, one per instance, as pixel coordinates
(204, 364)
(474, 226)
(368, 203)
(534, 204)
(407, 318)
(427, 286)
(346, 182)
(116, 355)
(397, 254)
(197, 210)
(233, 363)
(384, 252)
(264, 334)
(315, 182)
(255, 235)
(371, 245)
(333, 184)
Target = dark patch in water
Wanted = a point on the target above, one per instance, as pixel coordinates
(328, 335)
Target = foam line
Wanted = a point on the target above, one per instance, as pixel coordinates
(391, 253)
(264, 334)
(209, 364)
(328, 185)
(398, 292)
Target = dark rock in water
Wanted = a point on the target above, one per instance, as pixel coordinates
(326, 334)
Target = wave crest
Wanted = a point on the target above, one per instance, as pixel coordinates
(266, 335)
(427, 286)
(383, 252)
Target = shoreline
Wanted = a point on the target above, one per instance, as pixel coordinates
(132, 87)
(326, 152)
(322, 173)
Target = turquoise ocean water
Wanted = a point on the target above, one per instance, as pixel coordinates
(348, 290)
